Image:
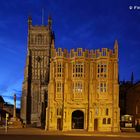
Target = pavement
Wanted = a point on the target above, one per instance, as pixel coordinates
(37, 131)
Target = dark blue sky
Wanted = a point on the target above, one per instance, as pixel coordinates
(88, 24)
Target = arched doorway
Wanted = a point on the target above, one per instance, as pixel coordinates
(95, 124)
(77, 120)
(59, 124)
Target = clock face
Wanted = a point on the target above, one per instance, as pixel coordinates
(38, 59)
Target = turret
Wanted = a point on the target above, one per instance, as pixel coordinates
(116, 48)
(53, 41)
(132, 78)
(29, 21)
(49, 22)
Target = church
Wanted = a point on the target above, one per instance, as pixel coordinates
(69, 90)
(36, 73)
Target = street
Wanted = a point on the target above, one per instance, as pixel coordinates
(58, 137)
(40, 134)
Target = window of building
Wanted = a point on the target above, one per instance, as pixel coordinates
(39, 39)
(78, 69)
(59, 87)
(109, 121)
(102, 70)
(107, 111)
(78, 87)
(102, 87)
(104, 120)
(60, 69)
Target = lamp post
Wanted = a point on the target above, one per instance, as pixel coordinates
(6, 124)
(14, 113)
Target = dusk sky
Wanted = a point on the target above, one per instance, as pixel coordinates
(88, 24)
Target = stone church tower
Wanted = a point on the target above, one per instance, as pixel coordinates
(36, 73)
(83, 91)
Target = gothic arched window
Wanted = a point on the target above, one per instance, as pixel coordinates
(108, 121)
(104, 120)
(107, 111)
(40, 39)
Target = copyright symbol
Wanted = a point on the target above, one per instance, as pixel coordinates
(130, 7)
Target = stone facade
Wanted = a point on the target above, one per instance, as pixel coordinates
(69, 90)
(1, 102)
(36, 73)
(83, 91)
(133, 102)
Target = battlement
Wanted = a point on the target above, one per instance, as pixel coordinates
(85, 53)
(39, 27)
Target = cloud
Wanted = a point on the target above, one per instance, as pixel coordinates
(11, 97)
(8, 91)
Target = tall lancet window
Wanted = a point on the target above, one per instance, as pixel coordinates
(60, 69)
(78, 69)
(39, 39)
(102, 70)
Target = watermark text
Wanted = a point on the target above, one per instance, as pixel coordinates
(135, 7)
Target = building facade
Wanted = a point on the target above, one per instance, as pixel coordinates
(36, 73)
(83, 91)
(1, 102)
(5, 108)
(124, 87)
(133, 102)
